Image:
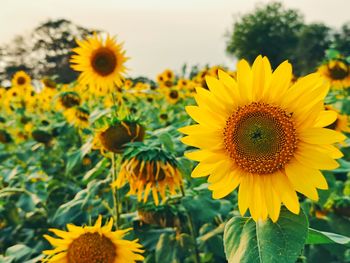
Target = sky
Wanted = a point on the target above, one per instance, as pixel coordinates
(159, 34)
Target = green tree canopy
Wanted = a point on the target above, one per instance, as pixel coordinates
(270, 30)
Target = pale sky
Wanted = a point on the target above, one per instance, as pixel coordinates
(158, 34)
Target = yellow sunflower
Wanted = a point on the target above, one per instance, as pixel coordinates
(263, 135)
(78, 116)
(93, 244)
(101, 63)
(21, 80)
(341, 123)
(173, 95)
(337, 73)
(146, 174)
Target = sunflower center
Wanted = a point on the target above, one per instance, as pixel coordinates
(92, 248)
(174, 94)
(21, 81)
(339, 71)
(260, 138)
(104, 61)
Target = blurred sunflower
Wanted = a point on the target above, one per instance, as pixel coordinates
(21, 80)
(101, 63)
(166, 78)
(78, 116)
(49, 83)
(112, 138)
(337, 73)
(263, 135)
(148, 170)
(93, 244)
(341, 123)
(67, 100)
(173, 95)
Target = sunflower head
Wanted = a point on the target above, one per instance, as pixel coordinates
(113, 138)
(341, 123)
(337, 73)
(93, 244)
(101, 63)
(173, 95)
(68, 99)
(162, 215)
(263, 135)
(49, 83)
(149, 169)
(21, 79)
(78, 116)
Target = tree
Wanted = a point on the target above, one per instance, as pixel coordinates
(45, 51)
(314, 40)
(270, 30)
(342, 39)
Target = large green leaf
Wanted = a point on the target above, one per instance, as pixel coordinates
(319, 237)
(247, 241)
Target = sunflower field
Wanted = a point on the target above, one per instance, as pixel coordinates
(246, 165)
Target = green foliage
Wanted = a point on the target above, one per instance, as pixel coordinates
(247, 241)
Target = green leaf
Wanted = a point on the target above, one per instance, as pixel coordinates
(165, 249)
(247, 241)
(319, 237)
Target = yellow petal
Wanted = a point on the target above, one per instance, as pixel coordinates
(285, 191)
(320, 136)
(312, 158)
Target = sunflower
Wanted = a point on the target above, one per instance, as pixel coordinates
(101, 63)
(78, 116)
(21, 80)
(173, 95)
(263, 135)
(341, 123)
(112, 138)
(49, 83)
(337, 73)
(149, 170)
(166, 78)
(67, 100)
(92, 244)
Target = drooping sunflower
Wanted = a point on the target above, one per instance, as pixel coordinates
(101, 63)
(263, 135)
(112, 138)
(337, 72)
(148, 170)
(93, 244)
(21, 80)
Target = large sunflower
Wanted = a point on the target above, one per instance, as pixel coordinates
(101, 63)
(263, 135)
(337, 73)
(93, 244)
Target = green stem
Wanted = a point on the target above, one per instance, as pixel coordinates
(116, 214)
(192, 230)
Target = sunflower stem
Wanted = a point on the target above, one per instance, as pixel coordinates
(192, 230)
(116, 214)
